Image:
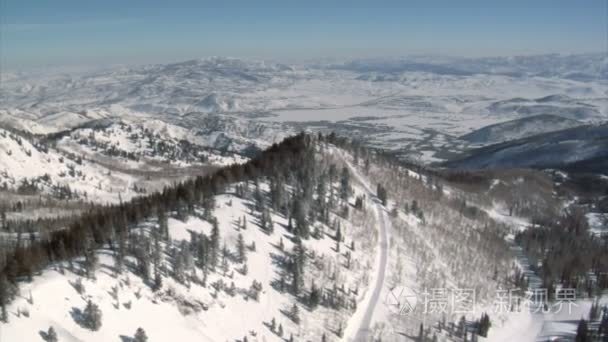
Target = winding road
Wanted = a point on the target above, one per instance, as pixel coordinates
(363, 331)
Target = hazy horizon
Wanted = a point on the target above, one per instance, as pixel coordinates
(71, 33)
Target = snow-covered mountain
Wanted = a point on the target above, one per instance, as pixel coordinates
(413, 105)
(519, 128)
(207, 85)
(146, 141)
(577, 67)
(108, 160)
(297, 244)
(32, 167)
(583, 148)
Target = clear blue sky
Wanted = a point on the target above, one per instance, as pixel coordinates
(92, 32)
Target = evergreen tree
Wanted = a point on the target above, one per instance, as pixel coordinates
(483, 325)
(294, 314)
(381, 193)
(269, 223)
(299, 216)
(344, 184)
(462, 324)
(90, 258)
(215, 244)
(5, 297)
(92, 316)
(273, 324)
(163, 224)
(297, 268)
(51, 335)
(315, 296)
(241, 249)
(338, 236)
(258, 198)
(582, 332)
(140, 336)
(594, 311)
(156, 260)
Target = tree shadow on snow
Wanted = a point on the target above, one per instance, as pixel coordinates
(78, 316)
(44, 335)
(124, 338)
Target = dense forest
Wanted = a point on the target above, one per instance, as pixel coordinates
(24, 256)
(567, 254)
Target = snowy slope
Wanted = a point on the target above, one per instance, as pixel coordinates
(151, 141)
(24, 164)
(105, 161)
(416, 106)
(580, 148)
(519, 128)
(193, 312)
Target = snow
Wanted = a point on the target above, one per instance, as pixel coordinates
(597, 223)
(369, 310)
(230, 106)
(166, 315)
(407, 106)
(21, 160)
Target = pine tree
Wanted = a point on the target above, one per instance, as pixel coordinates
(299, 259)
(273, 324)
(92, 316)
(280, 331)
(462, 326)
(51, 335)
(241, 249)
(258, 198)
(5, 297)
(421, 333)
(299, 215)
(381, 193)
(269, 223)
(344, 184)
(582, 332)
(594, 311)
(215, 244)
(140, 336)
(338, 236)
(91, 260)
(315, 296)
(294, 314)
(156, 260)
(163, 224)
(484, 325)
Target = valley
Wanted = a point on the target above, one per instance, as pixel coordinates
(238, 200)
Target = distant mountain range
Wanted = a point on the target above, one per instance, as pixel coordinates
(582, 148)
(519, 128)
(574, 67)
(414, 105)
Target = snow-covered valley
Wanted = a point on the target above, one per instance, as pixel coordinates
(179, 199)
